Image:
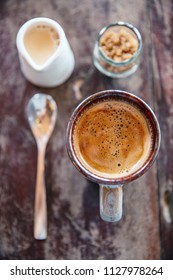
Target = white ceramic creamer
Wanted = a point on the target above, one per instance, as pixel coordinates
(57, 67)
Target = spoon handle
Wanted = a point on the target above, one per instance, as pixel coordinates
(40, 215)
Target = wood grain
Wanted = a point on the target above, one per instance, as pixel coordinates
(162, 67)
(75, 230)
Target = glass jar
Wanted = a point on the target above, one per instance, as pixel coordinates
(121, 67)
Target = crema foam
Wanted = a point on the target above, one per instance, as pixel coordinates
(112, 138)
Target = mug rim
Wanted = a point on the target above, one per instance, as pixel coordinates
(147, 111)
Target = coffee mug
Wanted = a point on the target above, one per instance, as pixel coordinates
(113, 137)
(45, 55)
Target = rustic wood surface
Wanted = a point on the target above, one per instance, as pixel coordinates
(75, 230)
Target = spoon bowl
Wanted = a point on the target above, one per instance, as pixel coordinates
(42, 115)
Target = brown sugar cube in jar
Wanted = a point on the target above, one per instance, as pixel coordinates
(118, 44)
(117, 50)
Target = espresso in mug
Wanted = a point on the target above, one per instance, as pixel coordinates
(41, 41)
(112, 138)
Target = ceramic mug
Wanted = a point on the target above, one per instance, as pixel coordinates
(57, 68)
(111, 188)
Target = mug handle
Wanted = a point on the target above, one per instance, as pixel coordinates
(111, 202)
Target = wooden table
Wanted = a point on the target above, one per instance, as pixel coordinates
(75, 230)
